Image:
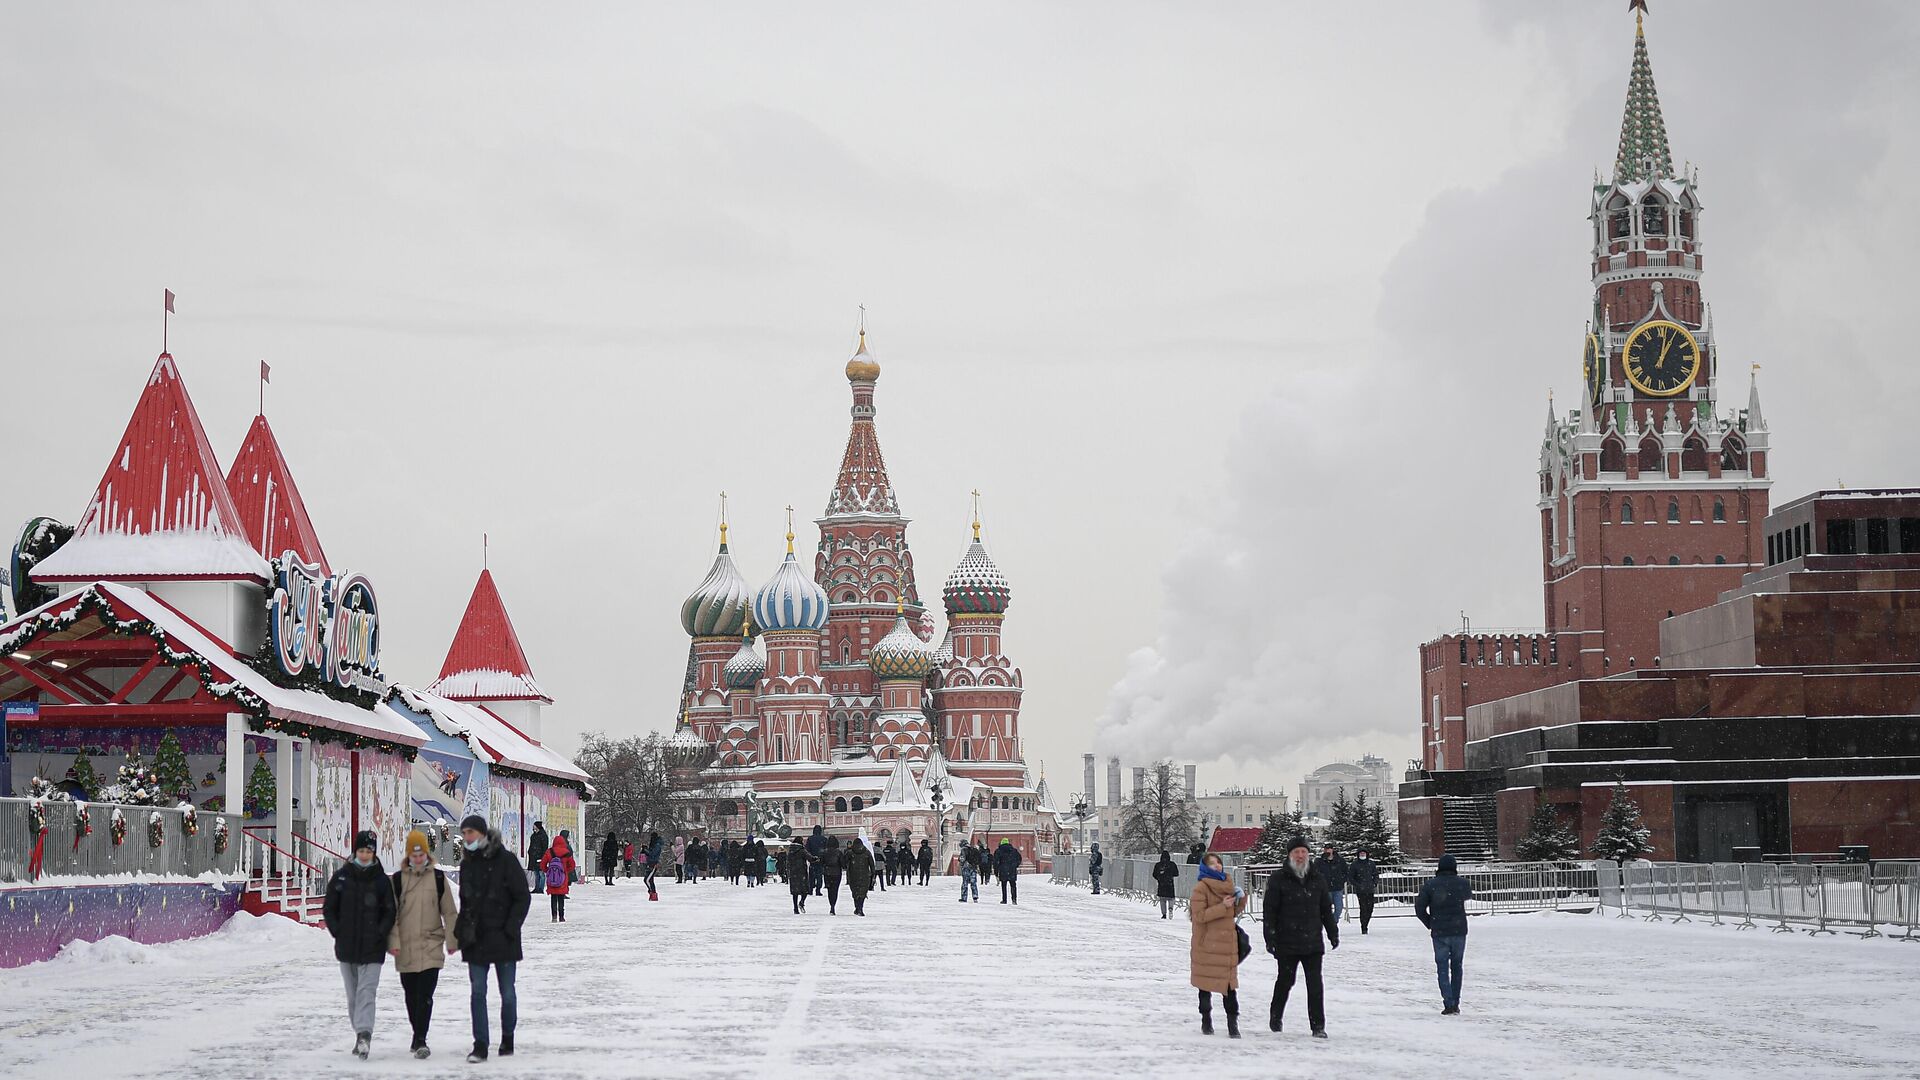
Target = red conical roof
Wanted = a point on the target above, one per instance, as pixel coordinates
(162, 510)
(271, 510)
(485, 661)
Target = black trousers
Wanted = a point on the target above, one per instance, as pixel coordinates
(1231, 999)
(1009, 886)
(557, 902)
(1316, 993)
(419, 987)
(1366, 910)
(833, 889)
(925, 871)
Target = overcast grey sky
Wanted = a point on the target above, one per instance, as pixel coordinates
(1242, 316)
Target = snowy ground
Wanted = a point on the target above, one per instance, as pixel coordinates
(718, 981)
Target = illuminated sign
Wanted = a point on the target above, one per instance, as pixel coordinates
(324, 628)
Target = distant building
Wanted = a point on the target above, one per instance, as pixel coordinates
(1321, 788)
(1237, 807)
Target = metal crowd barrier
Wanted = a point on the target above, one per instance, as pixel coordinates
(1865, 899)
(96, 855)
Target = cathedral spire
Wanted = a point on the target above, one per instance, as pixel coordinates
(862, 488)
(1644, 154)
(1755, 421)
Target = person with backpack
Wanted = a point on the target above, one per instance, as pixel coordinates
(493, 906)
(1165, 872)
(1214, 954)
(609, 855)
(1441, 907)
(359, 912)
(626, 861)
(1006, 864)
(422, 934)
(969, 872)
(925, 860)
(536, 851)
(650, 862)
(559, 873)
(1096, 865)
(1364, 875)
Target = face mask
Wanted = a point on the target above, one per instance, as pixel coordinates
(363, 861)
(418, 858)
(471, 845)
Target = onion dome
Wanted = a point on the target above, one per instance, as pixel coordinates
(944, 652)
(685, 746)
(901, 654)
(924, 626)
(791, 599)
(720, 602)
(976, 586)
(863, 367)
(744, 670)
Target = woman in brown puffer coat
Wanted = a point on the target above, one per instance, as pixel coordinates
(1215, 960)
(422, 933)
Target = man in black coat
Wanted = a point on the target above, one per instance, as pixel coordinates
(1364, 875)
(1096, 865)
(360, 910)
(816, 844)
(1333, 870)
(1299, 906)
(1442, 908)
(1006, 864)
(536, 850)
(493, 905)
(1166, 873)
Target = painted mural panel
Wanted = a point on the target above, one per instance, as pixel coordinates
(330, 807)
(504, 813)
(440, 785)
(384, 804)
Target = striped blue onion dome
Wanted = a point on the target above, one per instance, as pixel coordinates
(717, 607)
(791, 600)
(743, 672)
(976, 586)
(901, 654)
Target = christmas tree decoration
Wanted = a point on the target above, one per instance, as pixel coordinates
(1621, 836)
(135, 785)
(172, 777)
(117, 827)
(221, 836)
(1546, 839)
(260, 795)
(156, 829)
(85, 776)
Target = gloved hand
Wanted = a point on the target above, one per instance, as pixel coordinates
(1333, 941)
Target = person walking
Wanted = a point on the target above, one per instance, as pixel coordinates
(1214, 962)
(799, 878)
(650, 862)
(1166, 873)
(679, 860)
(1441, 907)
(1298, 907)
(986, 860)
(559, 874)
(756, 863)
(359, 912)
(536, 851)
(609, 856)
(926, 860)
(1364, 876)
(860, 873)
(969, 872)
(422, 933)
(816, 844)
(626, 861)
(1006, 864)
(493, 906)
(1096, 865)
(833, 864)
(1333, 871)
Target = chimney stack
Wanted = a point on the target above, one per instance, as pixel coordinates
(1086, 760)
(1139, 779)
(1113, 781)
(1192, 792)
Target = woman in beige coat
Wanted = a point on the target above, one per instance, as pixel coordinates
(422, 933)
(1215, 959)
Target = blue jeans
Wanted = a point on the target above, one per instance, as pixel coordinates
(1448, 951)
(969, 879)
(1339, 901)
(509, 1002)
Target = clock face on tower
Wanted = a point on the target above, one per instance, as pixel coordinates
(1593, 368)
(1662, 359)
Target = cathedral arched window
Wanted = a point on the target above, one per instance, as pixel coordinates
(1673, 560)
(1719, 508)
(840, 805)
(1733, 456)
(1619, 218)
(1673, 511)
(1693, 455)
(1626, 560)
(1626, 511)
(1686, 222)
(1719, 560)
(1613, 455)
(859, 803)
(813, 806)
(1653, 217)
(1651, 455)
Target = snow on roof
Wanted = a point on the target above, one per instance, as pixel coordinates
(485, 661)
(489, 737)
(303, 705)
(1229, 841)
(903, 792)
(271, 509)
(162, 508)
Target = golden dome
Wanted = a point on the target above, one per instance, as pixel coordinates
(863, 367)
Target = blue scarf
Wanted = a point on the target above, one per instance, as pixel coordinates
(1209, 873)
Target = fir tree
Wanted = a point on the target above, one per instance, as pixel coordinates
(170, 766)
(1345, 822)
(1378, 838)
(136, 784)
(1547, 840)
(1276, 832)
(260, 791)
(84, 775)
(1621, 835)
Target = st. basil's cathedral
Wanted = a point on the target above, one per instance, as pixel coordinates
(853, 719)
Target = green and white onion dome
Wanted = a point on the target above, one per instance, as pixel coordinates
(901, 654)
(744, 670)
(717, 607)
(976, 586)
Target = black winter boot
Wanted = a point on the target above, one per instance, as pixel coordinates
(1233, 1025)
(1206, 1013)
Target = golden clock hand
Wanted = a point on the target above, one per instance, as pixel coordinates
(1662, 362)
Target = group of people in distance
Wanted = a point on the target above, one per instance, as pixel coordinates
(1301, 921)
(818, 864)
(411, 916)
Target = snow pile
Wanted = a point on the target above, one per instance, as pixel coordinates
(112, 951)
(252, 931)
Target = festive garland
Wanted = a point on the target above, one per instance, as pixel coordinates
(220, 836)
(156, 829)
(82, 823)
(189, 819)
(263, 725)
(511, 773)
(117, 827)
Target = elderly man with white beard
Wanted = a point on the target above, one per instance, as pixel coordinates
(1298, 907)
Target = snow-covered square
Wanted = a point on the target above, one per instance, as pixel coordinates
(719, 981)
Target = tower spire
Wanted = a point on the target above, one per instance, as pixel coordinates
(723, 521)
(789, 528)
(976, 515)
(1644, 154)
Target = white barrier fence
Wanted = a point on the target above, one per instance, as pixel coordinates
(1866, 899)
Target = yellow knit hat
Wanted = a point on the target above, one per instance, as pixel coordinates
(417, 841)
